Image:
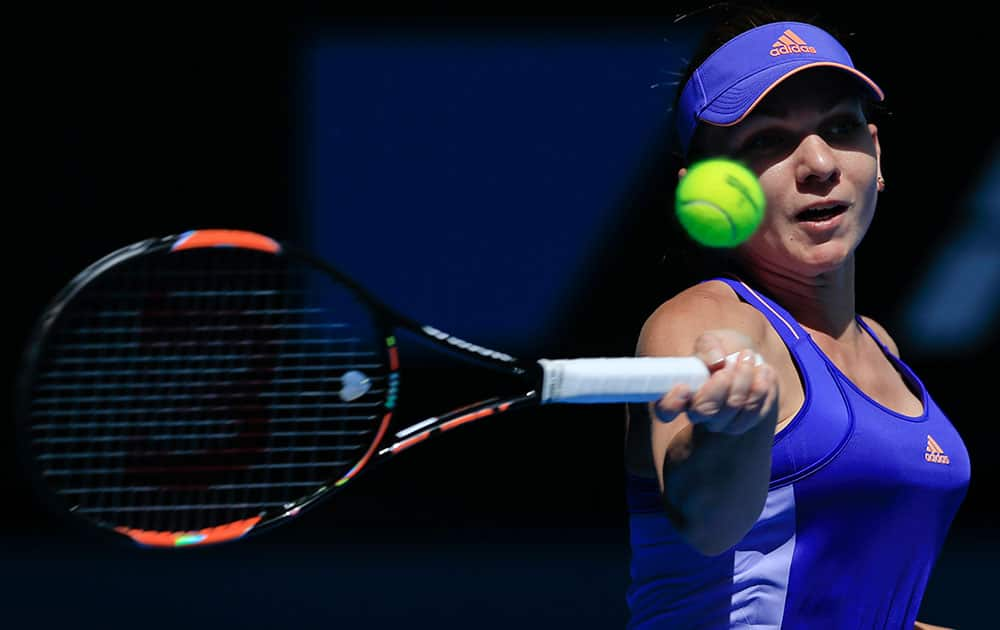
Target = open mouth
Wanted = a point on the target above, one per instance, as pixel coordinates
(819, 214)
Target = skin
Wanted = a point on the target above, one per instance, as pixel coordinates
(806, 147)
(809, 142)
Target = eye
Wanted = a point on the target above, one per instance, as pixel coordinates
(764, 141)
(843, 127)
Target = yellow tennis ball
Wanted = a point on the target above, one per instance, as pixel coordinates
(719, 202)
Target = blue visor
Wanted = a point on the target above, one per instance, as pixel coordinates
(737, 76)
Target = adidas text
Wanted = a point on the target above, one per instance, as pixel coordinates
(937, 458)
(777, 51)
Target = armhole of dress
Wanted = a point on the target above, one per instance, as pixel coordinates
(787, 330)
(913, 382)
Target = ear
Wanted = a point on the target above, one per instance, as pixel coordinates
(873, 131)
(681, 172)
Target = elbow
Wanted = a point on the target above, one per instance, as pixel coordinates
(711, 543)
(711, 530)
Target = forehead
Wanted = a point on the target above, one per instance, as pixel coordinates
(818, 89)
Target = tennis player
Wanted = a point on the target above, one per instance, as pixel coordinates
(814, 490)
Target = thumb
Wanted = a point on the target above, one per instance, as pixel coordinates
(708, 347)
(714, 346)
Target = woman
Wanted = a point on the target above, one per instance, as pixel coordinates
(814, 488)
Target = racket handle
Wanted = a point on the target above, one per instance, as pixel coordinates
(619, 380)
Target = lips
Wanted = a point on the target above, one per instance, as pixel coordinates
(817, 213)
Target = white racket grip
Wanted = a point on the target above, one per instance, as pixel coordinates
(620, 380)
(626, 379)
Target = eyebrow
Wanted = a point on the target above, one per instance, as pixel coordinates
(780, 110)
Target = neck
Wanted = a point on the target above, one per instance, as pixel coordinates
(822, 304)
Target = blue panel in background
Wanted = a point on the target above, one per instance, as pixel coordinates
(468, 181)
(956, 298)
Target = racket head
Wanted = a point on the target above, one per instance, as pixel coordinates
(195, 388)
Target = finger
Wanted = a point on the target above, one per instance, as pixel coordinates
(708, 348)
(760, 402)
(763, 381)
(673, 403)
(710, 399)
(770, 403)
(742, 380)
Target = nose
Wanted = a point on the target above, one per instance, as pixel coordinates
(816, 161)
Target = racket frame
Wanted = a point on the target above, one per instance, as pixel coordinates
(388, 322)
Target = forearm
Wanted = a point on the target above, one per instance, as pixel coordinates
(926, 626)
(715, 484)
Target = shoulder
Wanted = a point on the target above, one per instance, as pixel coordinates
(882, 334)
(709, 305)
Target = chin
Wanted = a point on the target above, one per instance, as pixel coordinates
(827, 257)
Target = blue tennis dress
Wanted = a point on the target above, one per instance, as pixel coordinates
(858, 508)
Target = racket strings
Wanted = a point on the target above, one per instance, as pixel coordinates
(183, 392)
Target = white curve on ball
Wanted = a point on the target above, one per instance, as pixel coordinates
(701, 202)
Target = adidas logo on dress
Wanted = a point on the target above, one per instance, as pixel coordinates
(934, 453)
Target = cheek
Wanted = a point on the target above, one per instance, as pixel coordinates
(870, 198)
(776, 196)
(772, 236)
(867, 191)
(775, 179)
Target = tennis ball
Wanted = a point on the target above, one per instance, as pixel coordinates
(719, 202)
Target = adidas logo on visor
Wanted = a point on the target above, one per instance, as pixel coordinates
(790, 43)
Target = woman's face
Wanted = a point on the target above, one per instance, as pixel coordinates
(817, 159)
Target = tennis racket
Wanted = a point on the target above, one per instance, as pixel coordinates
(196, 388)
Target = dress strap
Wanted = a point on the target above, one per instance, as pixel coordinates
(782, 321)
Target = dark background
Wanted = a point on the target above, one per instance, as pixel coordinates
(151, 122)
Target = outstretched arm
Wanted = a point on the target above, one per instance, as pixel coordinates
(711, 448)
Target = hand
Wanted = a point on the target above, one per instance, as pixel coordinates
(738, 395)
